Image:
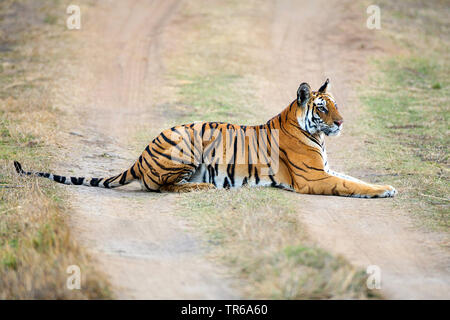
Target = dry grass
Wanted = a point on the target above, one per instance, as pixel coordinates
(36, 247)
(408, 97)
(258, 234)
(35, 243)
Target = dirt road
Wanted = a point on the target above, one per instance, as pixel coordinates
(147, 251)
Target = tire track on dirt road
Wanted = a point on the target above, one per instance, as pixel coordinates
(312, 41)
(145, 251)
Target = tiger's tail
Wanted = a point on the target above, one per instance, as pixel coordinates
(116, 181)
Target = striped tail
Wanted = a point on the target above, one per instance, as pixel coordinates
(116, 181)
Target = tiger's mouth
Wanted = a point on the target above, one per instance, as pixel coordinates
(332, 131)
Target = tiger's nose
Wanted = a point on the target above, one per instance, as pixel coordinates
(339, 122)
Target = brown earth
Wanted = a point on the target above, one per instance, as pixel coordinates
(150, 253)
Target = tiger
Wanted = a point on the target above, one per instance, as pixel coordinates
(286, 152)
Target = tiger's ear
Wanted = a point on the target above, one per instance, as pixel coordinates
(323, 88)
(303, 94)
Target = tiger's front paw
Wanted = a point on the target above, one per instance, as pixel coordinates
(388, 192)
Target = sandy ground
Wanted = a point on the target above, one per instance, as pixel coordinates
(145, 250)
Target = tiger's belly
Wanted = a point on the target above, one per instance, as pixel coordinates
(229, 176)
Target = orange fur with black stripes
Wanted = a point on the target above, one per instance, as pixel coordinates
(286, 152)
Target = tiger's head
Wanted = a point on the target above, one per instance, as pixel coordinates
(317, 111)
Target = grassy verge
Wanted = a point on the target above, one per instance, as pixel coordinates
(258, 235)
(256, 232)
(407, 100)
(35, 243)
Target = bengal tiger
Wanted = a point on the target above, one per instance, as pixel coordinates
(287, 152)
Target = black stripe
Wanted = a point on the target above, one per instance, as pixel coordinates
(173, 158)
(302, 176)
(226, 184)
(249, 161)
(156, 143)
(59, 179)
(317, 151)
(291, 163)
(274, 183)
(95, 182)
(109, 180)
(311, 138)
(212, 175)
(166, 168)
(133, 173)
(43, 174)
(147, 148)
(203, 130)
(256, 176)
(265, 147)
(18, 167)
(312, 168)
(149, 176)
(124, 178)
(294, 124)
(143, 178)
(167, 139)
(77, 181)
(230, 172)
(145, 184)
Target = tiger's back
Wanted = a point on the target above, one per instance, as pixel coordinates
(211, 155)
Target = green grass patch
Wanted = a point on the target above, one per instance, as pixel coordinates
(51, 19)
(211, 97)
(9, 261)
(408, 123)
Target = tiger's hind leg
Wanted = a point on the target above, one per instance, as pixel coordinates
(187, 187)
